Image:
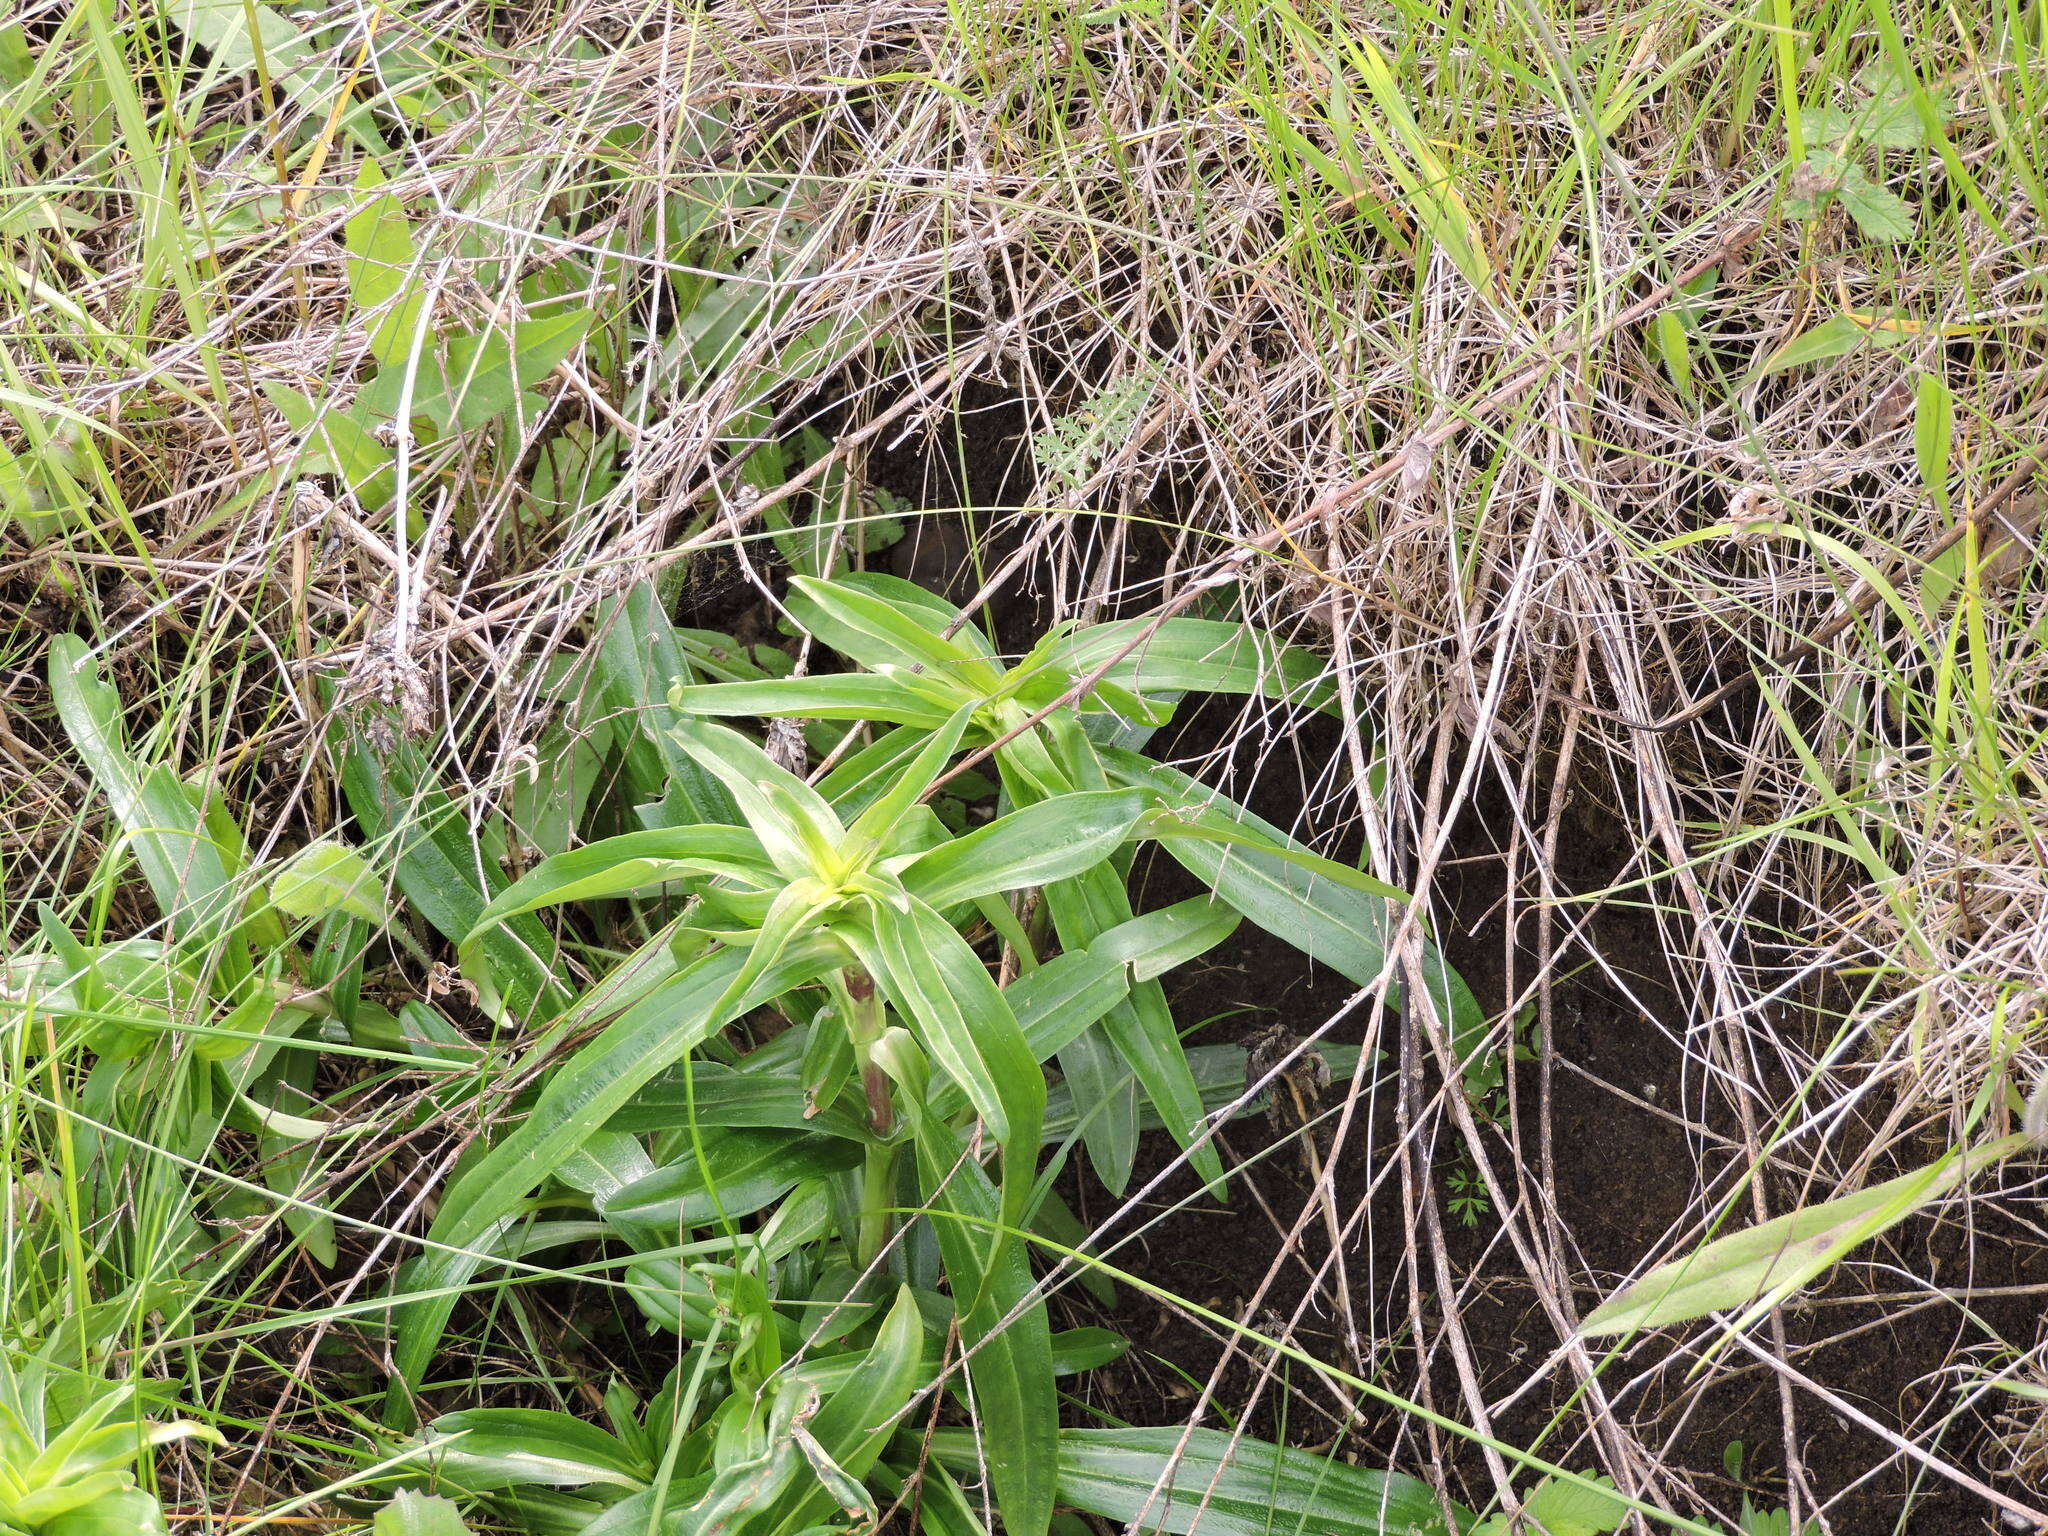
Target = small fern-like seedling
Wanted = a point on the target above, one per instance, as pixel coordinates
(1073, 448)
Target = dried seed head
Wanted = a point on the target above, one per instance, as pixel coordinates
(1415, 463)
(784, 744)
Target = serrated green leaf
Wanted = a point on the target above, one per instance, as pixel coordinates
(1814, 183)
(1879, 213)
(1885, 118)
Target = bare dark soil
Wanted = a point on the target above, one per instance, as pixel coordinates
(1628, 1153)
(1627, 1170)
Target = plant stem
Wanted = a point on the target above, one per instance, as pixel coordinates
(862, 1008)
(865, 1022)
(877, 1198)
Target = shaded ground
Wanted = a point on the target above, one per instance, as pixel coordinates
(1626, 1173)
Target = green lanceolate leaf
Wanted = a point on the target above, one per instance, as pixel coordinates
(325, 878)
(443, 870)
(884, 818)
(797, 829)
(165, 831)
(756, 1465)
(1146, 1043)
(547, 806)
(1155, 943)
(837, 696)
(1233, 828)
(1053, 840)
(418, 1514)
(381, 277)
(1298, 897)
(1203, 1482)
(350, 450)
(1220, 1075)
(487, 1449)
(937, 982)
(1009, 1358)
(859, 1420)
(738, 1173)
(879, 634)
(477, 377)
(639, 658)
(929, 609)
(1194, 656)
(302, 68)
(1934, 426)
(1063, 997)
(1761, 1266)
(1831, 338)
(117, 1512)
(706, 1094)
(1057, 1002)
(635, 861)
(603, 1076)
(864, 777)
